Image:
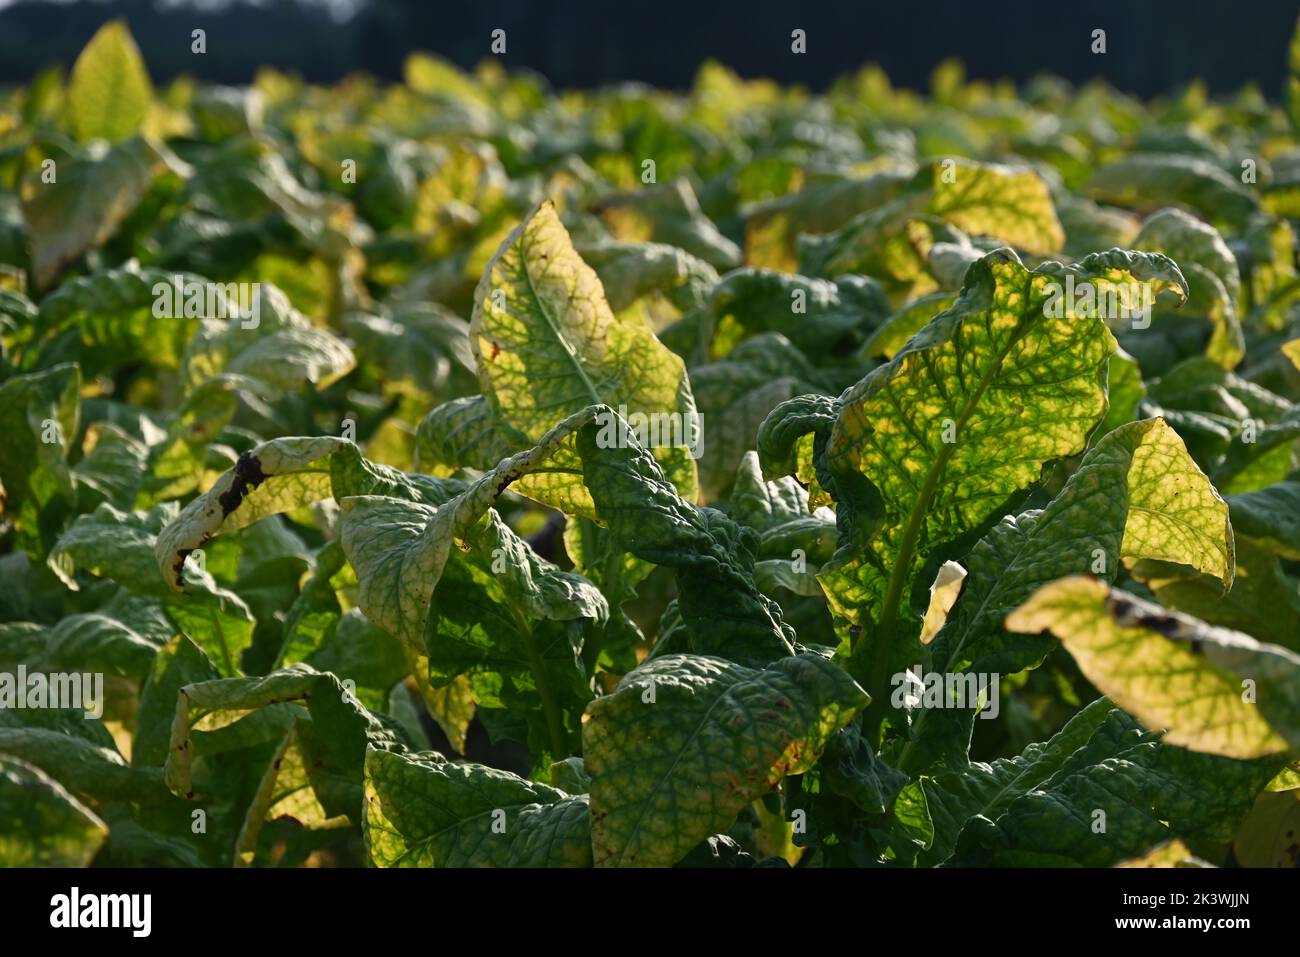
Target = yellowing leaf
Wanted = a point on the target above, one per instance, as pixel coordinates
(434, 76)
(963, 416)
(1212, 690)
(1174, 512)
(424, 811)
(1172, 853)
(1292, 351)
(1010, 204)
(943, 594)
(109, 93)
(547, 345)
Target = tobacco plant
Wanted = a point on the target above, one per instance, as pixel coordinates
(461, 472)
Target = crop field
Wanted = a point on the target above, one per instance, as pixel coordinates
(466, 472)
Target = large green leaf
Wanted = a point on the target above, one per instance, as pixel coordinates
(513, 622)
(41, 824)
(88, 200)
(1150, 181)
(1271, 515)
(1185, 239)
(517, 622)
(93, 772)
(400, 557)
(951, 799)
(930, 445)
(424, 811)
(39, 416)
(178, 663)
(822, 318)
(1213, 280)
(685, 742)
(462, 433)
(629, 271)
(736, 393)
(1254, 460)
(1099, 792)
(1090, 226)
(417, 350)
(109, 543)
(93, 643)
(723, 612)
(112, 470)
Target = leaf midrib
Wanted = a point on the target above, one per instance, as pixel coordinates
(552, 322)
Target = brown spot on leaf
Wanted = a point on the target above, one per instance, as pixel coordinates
(506, 480)
(1129, 613)
(179, 567)
(248, 476)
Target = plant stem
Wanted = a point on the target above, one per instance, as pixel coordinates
(611, 586)
(882, 643)
(549, 708)
(887, 626)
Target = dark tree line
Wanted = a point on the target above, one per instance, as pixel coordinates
(1151, 45)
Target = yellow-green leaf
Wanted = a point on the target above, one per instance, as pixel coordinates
(424, 811)
(1009, 203)
(547, 346)
(109, 92)
(1267, 836)
(963, 416)
(1211, 689)
(1292, 351)
(1174, 513)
